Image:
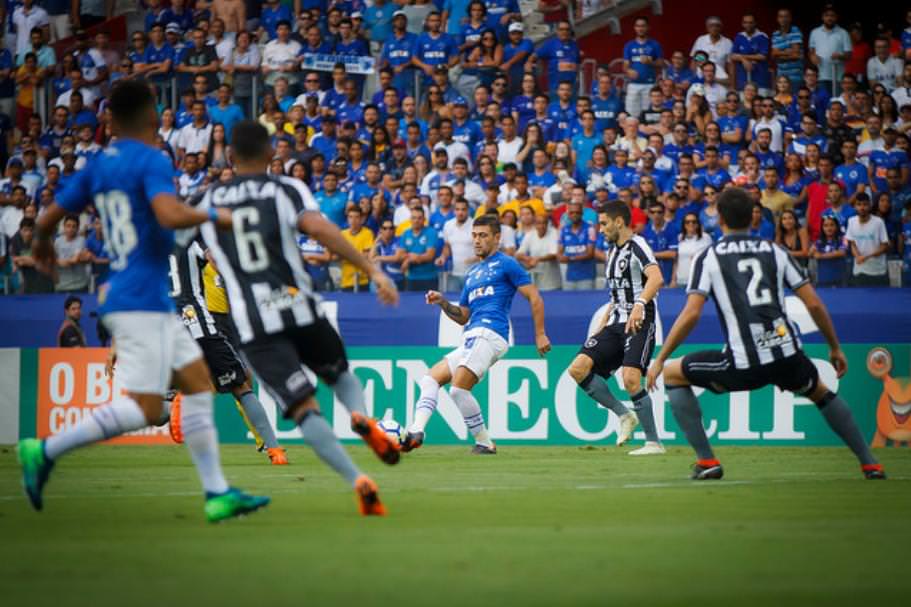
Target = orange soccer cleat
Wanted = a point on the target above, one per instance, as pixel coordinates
(385, 447)
(174, 424)
(368, 497)
(277, 456)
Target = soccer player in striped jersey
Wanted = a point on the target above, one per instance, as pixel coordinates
(132, 186)
(228, 372)
(747, 277)
(280, 323)
(626, 335)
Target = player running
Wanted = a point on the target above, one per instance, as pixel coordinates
(228, 372)
(132, 187)
(277, 316)
(747, 276)
(484, 307)
(626, 335)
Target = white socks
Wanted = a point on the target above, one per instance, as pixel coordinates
(201, 439)
(426, 404)
(107, 421)
(471, 413)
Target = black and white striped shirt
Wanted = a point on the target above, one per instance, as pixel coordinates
(624, 267)
(747, 276)
(258, 259)
(188, 290)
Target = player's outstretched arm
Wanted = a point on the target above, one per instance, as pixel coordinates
(328, 235)
(683, 326)
(174, 215)
(820, 316)
(459, 314)
(530, 292)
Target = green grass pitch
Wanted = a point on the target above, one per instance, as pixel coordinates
(530, 526)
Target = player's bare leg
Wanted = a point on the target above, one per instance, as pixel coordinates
(642, 403)
(325, 444)
(688, 414)
(582, 371)
(838, 415)
(439, 375)
(462, 383)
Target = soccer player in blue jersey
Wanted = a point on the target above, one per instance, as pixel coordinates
(484, 307)
(132, 187)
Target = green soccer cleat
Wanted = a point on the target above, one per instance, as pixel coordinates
(232, 503)
(36, 468)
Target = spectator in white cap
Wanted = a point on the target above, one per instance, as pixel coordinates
(516, 50)
(716, 47)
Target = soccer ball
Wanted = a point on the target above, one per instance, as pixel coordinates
(393, 429)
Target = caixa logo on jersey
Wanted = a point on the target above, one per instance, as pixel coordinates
(480, 292)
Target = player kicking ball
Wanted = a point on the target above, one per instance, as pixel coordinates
(626, 336)
(747, 277)
(132, 187)
(484, 307)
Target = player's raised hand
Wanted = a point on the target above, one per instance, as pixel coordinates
(386, 291)
(433, 298)
(839, 361)
(542, 342)
(651, 378)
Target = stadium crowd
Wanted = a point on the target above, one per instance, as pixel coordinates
(408, 120)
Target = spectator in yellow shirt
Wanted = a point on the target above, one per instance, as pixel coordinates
(523, 198)
(772, 197)
(362, 240)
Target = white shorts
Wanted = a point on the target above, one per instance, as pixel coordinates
(480, 349)
(150, 346)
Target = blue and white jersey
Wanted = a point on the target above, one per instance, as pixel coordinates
(489, 288)
(399, 50)
(435, 50)
(606, 111)
(853, 175)
(562, 58)
(634, 51)
(121, 182)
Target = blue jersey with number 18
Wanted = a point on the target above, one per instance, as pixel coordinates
(489, 288)
(121, 182)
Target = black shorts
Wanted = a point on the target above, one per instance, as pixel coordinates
(278, 361)
(611, 348)
(225, 325)
(224, 363)
(714, 369)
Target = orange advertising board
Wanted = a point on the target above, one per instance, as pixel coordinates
(71, 382)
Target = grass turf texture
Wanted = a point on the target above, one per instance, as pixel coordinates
(530, 526)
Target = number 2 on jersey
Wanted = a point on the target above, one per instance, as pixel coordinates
(755, 295)
(251, 251)
(119, 232)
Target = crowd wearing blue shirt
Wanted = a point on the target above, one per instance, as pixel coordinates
(660, 133)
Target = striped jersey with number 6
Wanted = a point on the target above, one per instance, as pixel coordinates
(258, 258)
(747, 276)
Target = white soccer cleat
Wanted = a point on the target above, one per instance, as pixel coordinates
(649, 448)
(628, 423)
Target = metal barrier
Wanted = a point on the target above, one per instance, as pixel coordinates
(589, 68)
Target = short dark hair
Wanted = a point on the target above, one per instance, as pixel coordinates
(491, 220)
(615, 209)
(70, 301)
(130, 103)
(250, 140)
(71, 217)
(736, 208)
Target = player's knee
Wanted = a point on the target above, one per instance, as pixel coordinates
(673, 375)
(299, 411)
(580, 368)
(632, 380)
